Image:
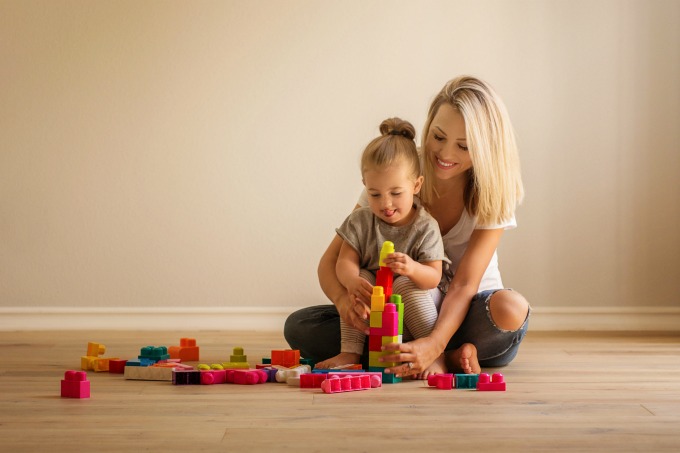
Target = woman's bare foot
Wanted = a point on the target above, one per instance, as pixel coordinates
(437, 367)
(463, 360)
(344, 358)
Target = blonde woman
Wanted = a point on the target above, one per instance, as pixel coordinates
(472, 186)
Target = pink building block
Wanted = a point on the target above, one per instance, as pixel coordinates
(441, 381)
(75, 385)
(247, 377)
(211, 377)
(495, 384)
(349, 383)
(390, 323)
(374, 376)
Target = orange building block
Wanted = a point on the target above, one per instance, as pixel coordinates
(187, 351)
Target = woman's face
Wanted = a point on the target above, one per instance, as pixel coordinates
(446, 144)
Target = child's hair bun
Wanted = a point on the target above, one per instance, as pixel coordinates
(397, 126)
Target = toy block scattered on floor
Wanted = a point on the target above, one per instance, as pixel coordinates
(312, 380)
(376, 376)
(117, 366)
(95, 349)
(349, 383)
(235, 365)
(246, 377)
(187, 351)
(285, 374)
(186, 377)
(211, 377)
(75, 385)
(465, 381)
(286, 357)
(441, 381)
(494, 384)
(92, 361)
(238, 355)
(153, 354)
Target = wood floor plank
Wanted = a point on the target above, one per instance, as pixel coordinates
(569, 392)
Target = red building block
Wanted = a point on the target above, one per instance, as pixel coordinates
(441, 381)
(75, 385)
(117, 366)
(288, 357)
(384, 277)
(312, 380)
(495, 384)
(375, 342)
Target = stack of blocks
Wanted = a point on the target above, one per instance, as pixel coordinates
(92, 361)
(387, 320)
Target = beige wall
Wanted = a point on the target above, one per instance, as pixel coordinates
(201, 153)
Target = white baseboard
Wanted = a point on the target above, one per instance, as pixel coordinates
(650, 319)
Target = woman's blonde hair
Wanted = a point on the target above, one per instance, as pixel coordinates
(494, 186)
(395, 143)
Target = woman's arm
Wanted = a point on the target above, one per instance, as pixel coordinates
(463, 287)
(351, 312)
(465, 284)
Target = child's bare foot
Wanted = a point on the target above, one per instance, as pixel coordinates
(463, 360)
(344, 358)
(437, 367)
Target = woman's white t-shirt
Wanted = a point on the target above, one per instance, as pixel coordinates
(456, 241)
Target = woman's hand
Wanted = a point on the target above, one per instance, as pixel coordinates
(417, 356)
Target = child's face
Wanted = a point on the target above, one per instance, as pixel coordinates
(390, 193)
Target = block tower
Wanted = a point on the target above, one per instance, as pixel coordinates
(386, 322)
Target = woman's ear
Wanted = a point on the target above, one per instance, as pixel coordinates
(419, 184)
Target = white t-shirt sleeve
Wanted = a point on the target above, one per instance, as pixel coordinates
(507, 225)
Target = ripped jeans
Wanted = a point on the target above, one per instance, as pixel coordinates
(315, 331)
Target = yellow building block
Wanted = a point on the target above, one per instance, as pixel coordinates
(387, 249)
(376, 319)
(378, 299)
(373, 361)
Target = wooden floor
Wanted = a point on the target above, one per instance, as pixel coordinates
(574, 392)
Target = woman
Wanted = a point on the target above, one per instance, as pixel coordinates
(472, 186)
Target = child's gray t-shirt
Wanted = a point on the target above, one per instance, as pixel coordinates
(420, 239)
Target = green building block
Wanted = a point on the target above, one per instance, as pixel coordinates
(466, 381)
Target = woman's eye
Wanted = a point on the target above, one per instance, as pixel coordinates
(438, 137)
(464, 148)
(374, 195)
(396, 194)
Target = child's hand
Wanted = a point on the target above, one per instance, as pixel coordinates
(401, 264)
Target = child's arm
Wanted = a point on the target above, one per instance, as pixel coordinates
(347, 269)
(425, 275)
